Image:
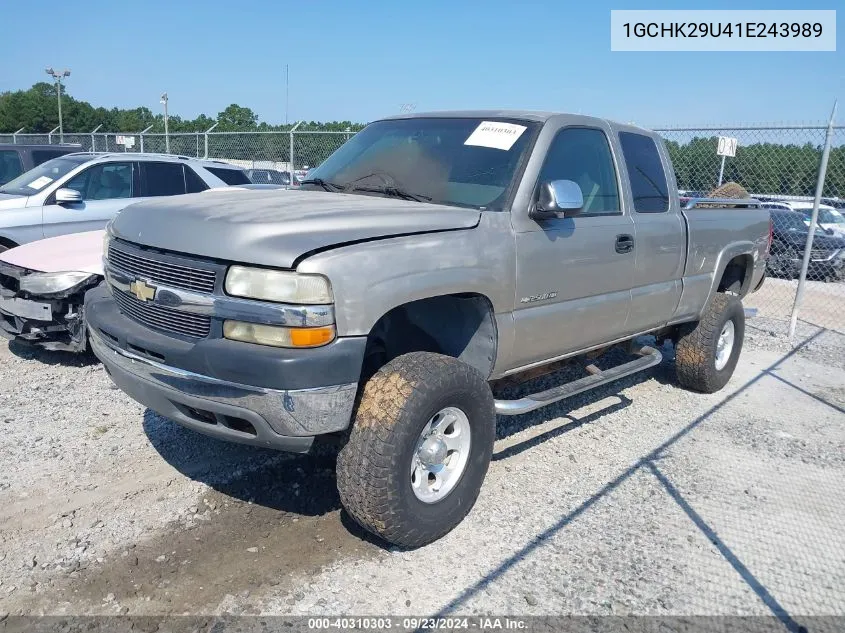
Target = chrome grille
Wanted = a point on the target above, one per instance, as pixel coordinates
(162, 271)
(161, 318)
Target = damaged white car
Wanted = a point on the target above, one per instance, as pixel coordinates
(42, 289)
(43, 285)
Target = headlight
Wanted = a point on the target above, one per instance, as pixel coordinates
(106, 240)
(277, 285)
(277, 336)
(48, 283)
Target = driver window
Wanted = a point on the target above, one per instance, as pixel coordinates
(583, 155)
(104, 182)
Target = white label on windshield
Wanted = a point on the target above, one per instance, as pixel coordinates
(38, 183)
(495, 134)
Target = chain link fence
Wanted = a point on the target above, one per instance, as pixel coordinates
(775, 163)
(281, 150)
(779, 165)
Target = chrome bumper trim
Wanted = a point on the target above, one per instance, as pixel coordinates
(294, 412)
(252, 311)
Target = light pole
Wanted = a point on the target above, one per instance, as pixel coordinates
(58, 76)
(166, 135)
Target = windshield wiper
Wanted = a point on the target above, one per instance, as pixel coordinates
(396, 192)
(328, 186)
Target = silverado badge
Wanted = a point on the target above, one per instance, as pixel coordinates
(142, 291)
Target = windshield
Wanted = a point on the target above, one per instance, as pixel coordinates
(466, 162)
(37, 179)
(830, 216)
(791, 221)
(826, 216)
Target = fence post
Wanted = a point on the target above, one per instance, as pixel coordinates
(290, 156)
(206, 137)
(144, 131)
(814, 216)
(50, 135)
(93, 139)
(15, 135)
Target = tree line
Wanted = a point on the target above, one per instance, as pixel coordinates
(36, 110)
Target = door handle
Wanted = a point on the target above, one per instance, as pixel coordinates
(624, 243)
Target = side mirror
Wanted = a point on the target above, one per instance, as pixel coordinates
(67, 196)
(558, 199)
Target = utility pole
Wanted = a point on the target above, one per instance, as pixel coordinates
(166, 133)
(287, 91)
(58, 76)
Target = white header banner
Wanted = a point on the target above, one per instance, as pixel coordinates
(712, 30)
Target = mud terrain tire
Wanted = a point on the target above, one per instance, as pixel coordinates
(374, 470)
(697, 348)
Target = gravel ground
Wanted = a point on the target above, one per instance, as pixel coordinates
(639, 498)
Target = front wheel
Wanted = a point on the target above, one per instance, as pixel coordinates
(707, 352)
(419, 448)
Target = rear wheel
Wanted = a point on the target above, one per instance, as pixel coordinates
(707, 352)
(419, 448)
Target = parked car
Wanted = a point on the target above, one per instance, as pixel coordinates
(82, 191)
(828, 218)
(43, 284)
(427, 256)
(269, 176)
(789, 239)
(16, 159)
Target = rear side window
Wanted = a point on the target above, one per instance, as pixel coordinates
(43, 155)
(163, 179)
(10, 165)
(645, 171)
(193, 183)
(230, 176)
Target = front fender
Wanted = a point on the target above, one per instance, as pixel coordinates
(369, 279)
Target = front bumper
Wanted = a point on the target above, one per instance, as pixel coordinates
(273, 410)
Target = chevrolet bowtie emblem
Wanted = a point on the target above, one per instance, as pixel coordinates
(142, 291)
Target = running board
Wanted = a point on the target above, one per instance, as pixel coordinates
(649, 357)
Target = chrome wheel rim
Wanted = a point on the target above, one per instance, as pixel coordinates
(725, 345)
(440, 455)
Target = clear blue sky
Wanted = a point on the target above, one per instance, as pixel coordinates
(360, 60)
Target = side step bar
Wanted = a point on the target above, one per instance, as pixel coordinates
(649, 357)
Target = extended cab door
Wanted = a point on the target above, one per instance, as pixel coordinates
(106, 188)
(574, 275)
(660, 229)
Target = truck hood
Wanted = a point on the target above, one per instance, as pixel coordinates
(275, 228)
(81, 252)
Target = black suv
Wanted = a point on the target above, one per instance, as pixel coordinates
(15, 159)
(789, 237)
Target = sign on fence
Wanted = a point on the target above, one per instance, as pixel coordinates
(126, 141)
(727, 146)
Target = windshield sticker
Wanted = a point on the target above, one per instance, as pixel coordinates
(39, 183)
(495, 134)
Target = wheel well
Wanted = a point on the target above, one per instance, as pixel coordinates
(737, 276)
(460, 325)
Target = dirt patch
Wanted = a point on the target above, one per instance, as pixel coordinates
(226, 546)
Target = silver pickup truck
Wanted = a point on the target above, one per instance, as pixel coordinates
(427, 257)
